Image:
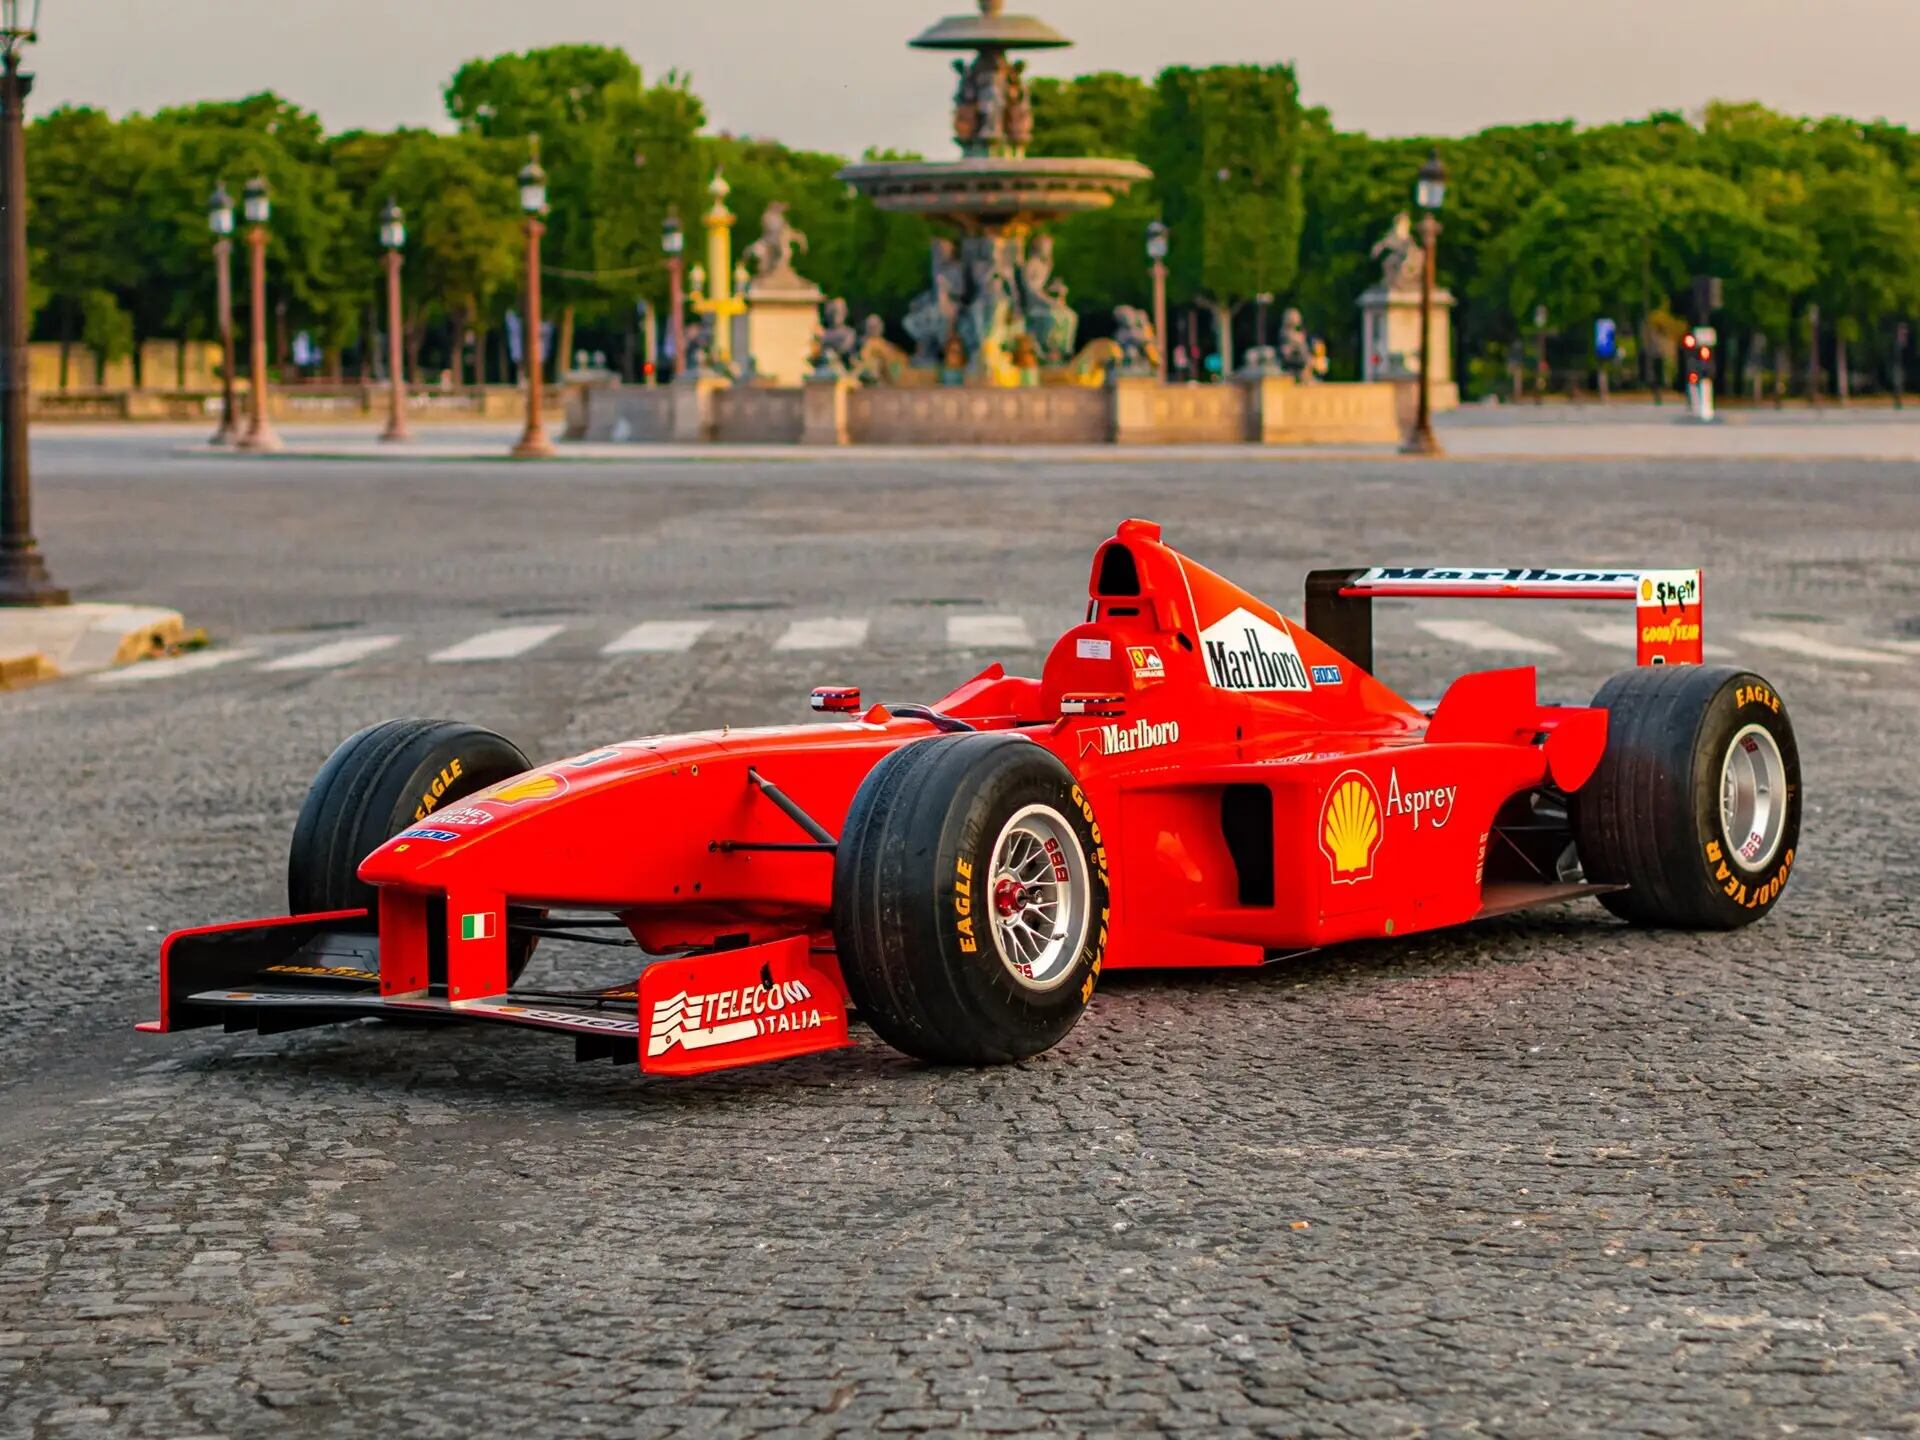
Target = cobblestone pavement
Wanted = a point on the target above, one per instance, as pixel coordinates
(1547, 1176)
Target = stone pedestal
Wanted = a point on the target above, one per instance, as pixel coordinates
(783, 315)
(823, 418)
(1390, 336)
(692, 407)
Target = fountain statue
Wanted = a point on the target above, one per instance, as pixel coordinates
(993, 311)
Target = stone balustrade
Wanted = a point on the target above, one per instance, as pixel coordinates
(1267, 410)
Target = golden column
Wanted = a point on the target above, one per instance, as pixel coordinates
(719, 303)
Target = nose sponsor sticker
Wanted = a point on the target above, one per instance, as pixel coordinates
(543, 786)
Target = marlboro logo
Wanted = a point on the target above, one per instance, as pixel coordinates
(1245, 652)
(1125, 739)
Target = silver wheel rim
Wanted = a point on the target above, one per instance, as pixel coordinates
(1753, 797)
(1038, 896)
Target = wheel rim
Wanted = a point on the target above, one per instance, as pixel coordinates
(1753, 797)
(1038, 891)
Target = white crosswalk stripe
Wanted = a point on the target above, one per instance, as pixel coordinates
(658, 637)
(1000, 632)
(502, 644)
(831, 633)
(174, 665)
(335, 654)
(1481, 635)
(1794, 642)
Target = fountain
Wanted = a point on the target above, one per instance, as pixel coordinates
(993, 312)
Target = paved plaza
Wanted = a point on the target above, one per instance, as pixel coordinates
(1546, 1176)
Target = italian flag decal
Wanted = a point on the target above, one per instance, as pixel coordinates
(478, 927)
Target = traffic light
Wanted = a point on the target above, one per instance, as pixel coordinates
(1698, 358)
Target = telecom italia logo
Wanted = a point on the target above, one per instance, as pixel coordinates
(1245, 652)
(694, 1022)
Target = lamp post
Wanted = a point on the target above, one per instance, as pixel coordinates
(1157, 255)
(1260, 304)
(393, 239)
(1429, 192)
(220, 222)
(258, 209)
(23, 571)
(673, 242)
(534, 443)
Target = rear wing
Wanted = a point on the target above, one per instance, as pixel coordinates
(1667, 603)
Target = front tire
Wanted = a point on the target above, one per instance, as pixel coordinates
(377, 783)
(1695, 806)
(970, 899)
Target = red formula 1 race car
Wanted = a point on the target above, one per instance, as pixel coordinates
(1192, 780)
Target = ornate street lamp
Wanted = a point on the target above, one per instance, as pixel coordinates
(256, 206)
(220, 222)
(534, 443)
(673, 242)
(1429, 193)
(1157, 256)
(24, 579)
(393, 239)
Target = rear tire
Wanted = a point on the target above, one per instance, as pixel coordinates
(1695, 806)
(970, 899)
(377, 783)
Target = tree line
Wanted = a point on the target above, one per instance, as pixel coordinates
(1812, 226)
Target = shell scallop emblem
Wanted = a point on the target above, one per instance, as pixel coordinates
(1350, 827)
(533, 787)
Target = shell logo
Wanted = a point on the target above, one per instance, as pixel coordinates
(1350, 827)
(1646, 590)
(534, 787)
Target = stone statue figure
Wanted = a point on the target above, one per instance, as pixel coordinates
(935, 310)
(966, 105)
(881, 361)
(772, 253)
(1050, 320)
(1405, 258)
(838, 341)
(1019, 115)
(1139, 346)
(995, 311)
(990, 77)
(1295, 349)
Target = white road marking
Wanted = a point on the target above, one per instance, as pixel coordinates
(174, 665)
(1001, 632)
(1620, 637)
(658, 637)
(503, 644)
(335, 654)
(1793, 642)
(1480, 635)
(823, 634)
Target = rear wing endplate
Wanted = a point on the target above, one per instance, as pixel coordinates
(1667, 603)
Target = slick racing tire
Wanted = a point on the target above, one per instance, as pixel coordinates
(970, 899)
(376, 784)
(1695, 806)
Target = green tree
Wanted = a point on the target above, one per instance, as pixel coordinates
(1224, 145)
(463, 231)
(1867, 236)
(573, 98)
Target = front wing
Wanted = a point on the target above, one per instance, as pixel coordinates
(682, 1015)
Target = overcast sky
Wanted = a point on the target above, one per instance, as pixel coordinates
(835, 74)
